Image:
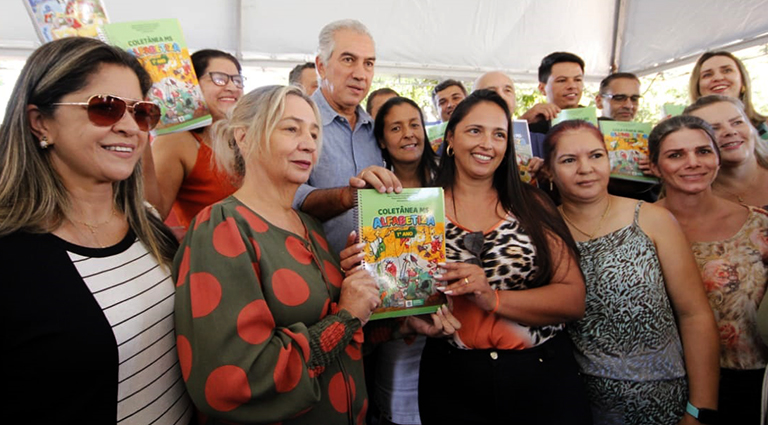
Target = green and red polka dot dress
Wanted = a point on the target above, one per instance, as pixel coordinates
(259, 334)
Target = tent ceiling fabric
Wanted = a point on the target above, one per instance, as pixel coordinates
(460, 38)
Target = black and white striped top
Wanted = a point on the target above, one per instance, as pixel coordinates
(136, 295)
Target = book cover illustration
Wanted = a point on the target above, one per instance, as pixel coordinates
(404, 236)
(55, 19)
(159, 46)
(435, 134)
(523, 149)
(627, 142)
(588, 114)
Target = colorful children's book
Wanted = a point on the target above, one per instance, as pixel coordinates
(588, 114)
(627, 142)
(404, 236)
(523, 148)
(55, 19)
(435, 134)
(159, 46)
(671, 110)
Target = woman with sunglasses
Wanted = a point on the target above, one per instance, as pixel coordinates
(730, 244)
(268, 329)
(513, 280)
(181, 176)
(639, 289)
(88, 296)
(723, 73)
(743, 175)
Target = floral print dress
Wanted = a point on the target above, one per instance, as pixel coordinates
(735, 275)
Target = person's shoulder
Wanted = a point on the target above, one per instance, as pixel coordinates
(176, 143)
(760, 214)
(211, 216)
(653, 217)
(25, 246)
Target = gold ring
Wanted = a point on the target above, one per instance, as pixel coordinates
(466, 281)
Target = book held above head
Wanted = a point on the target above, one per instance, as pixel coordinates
(160, 47)
(55, 19)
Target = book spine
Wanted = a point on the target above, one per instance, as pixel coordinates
(358, 216)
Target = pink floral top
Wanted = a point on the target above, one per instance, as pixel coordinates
(735, 275)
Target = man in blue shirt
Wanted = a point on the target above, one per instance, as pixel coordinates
(350, 158)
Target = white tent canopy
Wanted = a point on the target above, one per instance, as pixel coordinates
(456, 38)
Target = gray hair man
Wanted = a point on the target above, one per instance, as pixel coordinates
(351, 158)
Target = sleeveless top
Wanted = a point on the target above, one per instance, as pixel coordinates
(735, 275)
(203, 186)
(628, 331)
(508, 258)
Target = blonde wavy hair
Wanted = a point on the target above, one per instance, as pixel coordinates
(761, 146)
(258, 112)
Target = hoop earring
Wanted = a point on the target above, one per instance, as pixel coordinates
(44, 143)
(449, 151)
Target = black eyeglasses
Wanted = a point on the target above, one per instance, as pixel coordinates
(105, 110)
(622, 97)
(221, 79)
(473, 242)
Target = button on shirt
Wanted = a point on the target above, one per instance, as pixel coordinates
(343, 155)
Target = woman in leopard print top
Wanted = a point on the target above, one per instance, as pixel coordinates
(513, 280)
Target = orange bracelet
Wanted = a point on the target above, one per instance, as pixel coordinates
(495, 309)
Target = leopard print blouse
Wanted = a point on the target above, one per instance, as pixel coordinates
(508, 260)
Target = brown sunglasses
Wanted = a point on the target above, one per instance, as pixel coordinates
(105, 110)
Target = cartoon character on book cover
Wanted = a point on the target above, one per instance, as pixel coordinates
(403, 252)
(176, 88)
(61, 18)
(625, 149)
(523, 154)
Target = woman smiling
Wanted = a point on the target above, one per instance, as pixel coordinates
(513, 280)
(729, 244)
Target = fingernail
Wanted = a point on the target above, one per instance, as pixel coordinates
(360, 245)
(440, 288)
(438, 276)
(448, 292)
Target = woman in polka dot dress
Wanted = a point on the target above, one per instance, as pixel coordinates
(268, 330)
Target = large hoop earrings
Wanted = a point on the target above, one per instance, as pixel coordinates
(449, 150)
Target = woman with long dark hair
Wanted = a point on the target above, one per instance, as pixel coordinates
(513, 279)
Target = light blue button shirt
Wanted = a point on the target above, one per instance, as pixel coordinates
(344, 154)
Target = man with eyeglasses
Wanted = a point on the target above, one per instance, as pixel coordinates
(619, 96)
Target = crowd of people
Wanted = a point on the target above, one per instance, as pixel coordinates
(214, 277)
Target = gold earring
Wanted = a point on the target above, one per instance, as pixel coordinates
(449, 151)
(551, 186)
(44, 143)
